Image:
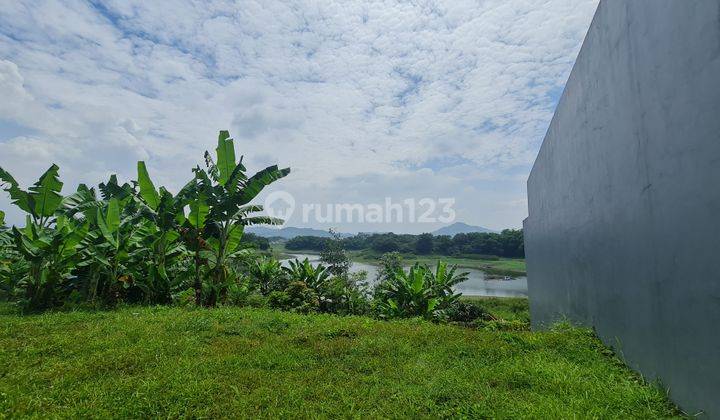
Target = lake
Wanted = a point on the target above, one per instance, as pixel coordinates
(476, 285)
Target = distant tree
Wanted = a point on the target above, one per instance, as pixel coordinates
(389, 264)
(508, 243)
(357, 242)
(460, 241)
(306, 243)
(424, 244)
(512, 243)
(386, 243)
(259, 242)
(443, 245)
(484, 243)
(334, 255)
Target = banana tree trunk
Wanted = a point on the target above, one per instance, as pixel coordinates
(198, 281)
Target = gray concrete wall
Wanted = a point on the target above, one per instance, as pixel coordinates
(623, 232)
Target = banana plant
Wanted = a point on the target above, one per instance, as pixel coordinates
(77, 204)
(49, 242)
(5, 238)
(228, 191)
(52, 255)
(406, 295)
(133, 234)
(193, 232)
(41, 200)
(115, 220)
(117, 233)
(266, 273)
(315, 277)
(164, 215)
(131, 239)
(218, 252)
(153, 256)
(7, 260)
(443, 279)
(83, 205)
(419, 291)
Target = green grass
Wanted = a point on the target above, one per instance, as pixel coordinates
(499, 267)
(507, 308)
(495, 266)
(236, 362)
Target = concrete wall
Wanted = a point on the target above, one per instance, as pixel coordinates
(623, 232)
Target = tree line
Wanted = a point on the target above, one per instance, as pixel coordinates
(508, 243)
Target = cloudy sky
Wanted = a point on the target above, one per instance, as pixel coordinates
(363, 100)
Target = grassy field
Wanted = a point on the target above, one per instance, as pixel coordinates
(507, 308)
(236, 362)
(500, 267)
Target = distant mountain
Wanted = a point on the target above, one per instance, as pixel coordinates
(289, 232)
(460, 227)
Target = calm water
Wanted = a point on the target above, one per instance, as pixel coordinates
(476, 285)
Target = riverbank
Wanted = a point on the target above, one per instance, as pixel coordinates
(493, 267)
(142, 362)
(478, 283)
(499, 267)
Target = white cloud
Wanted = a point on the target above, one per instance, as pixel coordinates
(354, 96)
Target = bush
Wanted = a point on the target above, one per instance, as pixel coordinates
(465, 312)
(389, 264)
(418, 293)
(297, 297)
(237, 294)
(303, 271)
(278, 300)
(345, 295)
(184, 298)
(266, 275)
(256, 300)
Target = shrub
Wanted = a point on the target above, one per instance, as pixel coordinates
(418, 292)
(184, 298)
(267, 275)
(346, 294)
(256, 300)
(303, 271)
(278, 299)
(389, 264)
(466, 313)
(297, 297)
(237, 294)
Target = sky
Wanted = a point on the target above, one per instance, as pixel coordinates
(366, 102)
